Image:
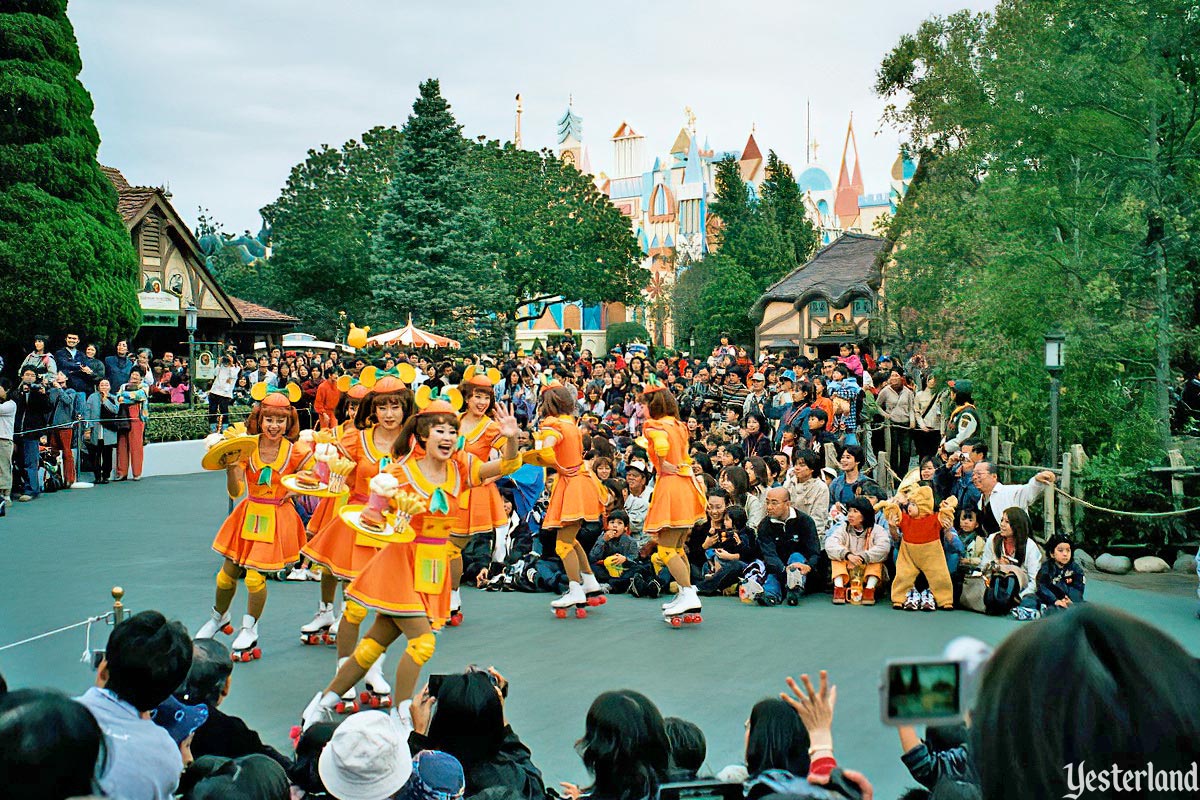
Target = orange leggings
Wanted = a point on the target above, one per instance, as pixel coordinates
(129, 449)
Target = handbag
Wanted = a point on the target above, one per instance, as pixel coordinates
(120, 422)
(973, 590)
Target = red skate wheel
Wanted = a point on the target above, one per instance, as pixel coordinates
(257, 652)
(364, 696)
(234, 657)
(228, 629)
(455, 620)
(699, 619)
(374, 702)
(294, 734)
(561, 613)
(341, 707)
(580, 612)
(603, 599)
(676, 622)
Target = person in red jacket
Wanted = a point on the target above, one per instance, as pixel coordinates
(326, 400)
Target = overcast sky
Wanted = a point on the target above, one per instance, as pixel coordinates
(220, 98)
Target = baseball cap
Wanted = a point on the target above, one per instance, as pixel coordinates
(436, 776)
(367, 758)
(758, 376)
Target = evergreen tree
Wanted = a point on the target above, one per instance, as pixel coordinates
(429, 256)
(784, 207)
(65, 255)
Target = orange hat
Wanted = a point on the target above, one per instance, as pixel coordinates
(478, 376)
(435, 401)
(352, 387)
(278, 398)
(549, 382)
(653, 384)
(386, 381)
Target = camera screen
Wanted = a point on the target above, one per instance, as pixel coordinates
(923, 690)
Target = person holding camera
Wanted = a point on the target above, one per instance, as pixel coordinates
(33, 407)
(463, 715)
(220, 394)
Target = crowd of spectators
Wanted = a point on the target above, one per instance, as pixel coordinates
(151, 729)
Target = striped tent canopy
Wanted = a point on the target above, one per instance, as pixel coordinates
(412, 336)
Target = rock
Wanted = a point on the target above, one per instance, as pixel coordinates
(1151, 564)
(1085, 560)
(1185, 562)
(1117, 565)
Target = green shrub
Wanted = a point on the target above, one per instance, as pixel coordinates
(623, 333)
(181, 424)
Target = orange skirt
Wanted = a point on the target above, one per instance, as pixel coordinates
(336, 547)
(326, 510)
(483, 511)
(575, 499)
(281, 551)
(675, 503)
(387, 585)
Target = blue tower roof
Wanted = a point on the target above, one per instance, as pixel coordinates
(814, 179)
(571, 124)
(691, 171)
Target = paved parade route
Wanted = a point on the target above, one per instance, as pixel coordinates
(152, 538)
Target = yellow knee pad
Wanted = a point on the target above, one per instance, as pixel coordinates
(354, 613)
(564, 548)
(224, 582)
(255, 582)
(668, 553)
(421, 648)
(453, 551)
(368, 652)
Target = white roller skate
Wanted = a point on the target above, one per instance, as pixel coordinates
(592, 589)
(685, 610)
(348, 702)
(319, 709)
(378, 693)
(456, 615)
(574, 598)
(318, 630)
(216, 623)
(245, 644)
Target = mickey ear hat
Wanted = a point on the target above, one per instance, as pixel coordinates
(443, 402)
(549, 382)
(380, 381)
(276, 398)
(484, 378)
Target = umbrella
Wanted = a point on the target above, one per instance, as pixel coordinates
(412, 336)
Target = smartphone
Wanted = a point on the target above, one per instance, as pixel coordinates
(97, 657)
(922, 691)
(435, 683)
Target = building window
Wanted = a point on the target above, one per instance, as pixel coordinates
(818, 309)
(863, 307)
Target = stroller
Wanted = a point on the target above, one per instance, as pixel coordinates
(50, 467)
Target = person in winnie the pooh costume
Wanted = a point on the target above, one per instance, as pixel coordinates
(920, 552)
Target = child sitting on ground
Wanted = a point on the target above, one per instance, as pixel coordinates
(728, 551)
(614, 551)
(857, 543)
(1060, 580)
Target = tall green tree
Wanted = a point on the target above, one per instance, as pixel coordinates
(553, 234)
(783, 206)
(1059, 141)
(322, 227)
(65, 255)
(429, 257)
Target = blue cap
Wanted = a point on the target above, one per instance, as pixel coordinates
(789, 375)
(436, 776)
(178, 719)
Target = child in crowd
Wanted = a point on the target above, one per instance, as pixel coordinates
(727, 551)
(1060, 579)
(856, 543)
(614, 552)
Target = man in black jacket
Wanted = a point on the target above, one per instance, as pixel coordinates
(207, 682)
(788, 546)
(33, 405)
(72, 361)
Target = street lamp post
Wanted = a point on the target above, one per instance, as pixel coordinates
(190, 321)
(1055, 350)
(692, 343)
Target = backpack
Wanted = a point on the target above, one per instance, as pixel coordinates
(1002, 594)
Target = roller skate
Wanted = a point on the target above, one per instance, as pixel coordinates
(216, 623)
(592, 590)
(317, 631)
(319, 709)
(348, 702)
(245, 644)
(378, 693)
(685, 610)
(456, 615)
(574, 598)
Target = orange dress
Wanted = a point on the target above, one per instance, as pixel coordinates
(481, 509)
(578, 495)
(328, 507)
(410, 579)
(677, 501)
(337, 546)
(264, 532)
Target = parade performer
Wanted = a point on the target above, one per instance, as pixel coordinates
(678, 500)
(481, 509)
(341, 550)
(577, 497)
(405, 584)
(263, 533)
(352, 394)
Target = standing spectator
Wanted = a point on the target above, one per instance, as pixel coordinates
(220, 394)
(8, 419)
(71, 361)
(326, 400)
(134, 404)
(898, 404)
(145, 659)
(116, 367)
(95, 368)
(143, 365)
(930, 403)
(40, 359)
(98, 432)
(62, 423)
(33, 406)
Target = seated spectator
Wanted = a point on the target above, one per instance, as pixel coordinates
(437, 776)
(367, 757)
(51, 748)
(808, 492)
(181, 722)
(857, 543)
(688, 749)
(1060, 579)
(1126, 697)
(624, 747)
(306, 780)
(468, 722)
(252, 777)
(727, 550)
(637, 496)
(614, 551)
(776, 750)
(787, 544)
(1010, 563)
(208, 681)
(145, 659)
